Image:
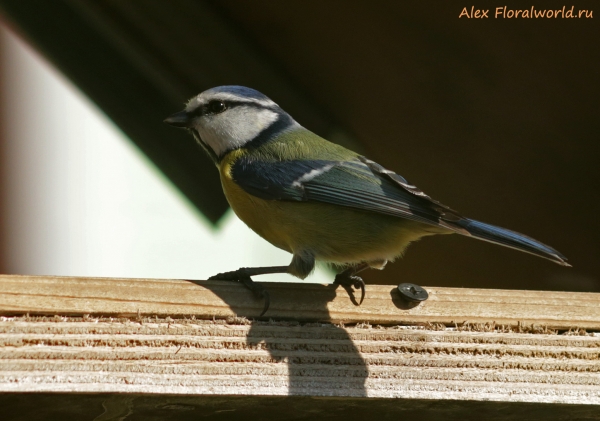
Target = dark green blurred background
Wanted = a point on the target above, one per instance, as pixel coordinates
(497, 118)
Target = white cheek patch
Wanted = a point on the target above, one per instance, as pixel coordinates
(234, 128)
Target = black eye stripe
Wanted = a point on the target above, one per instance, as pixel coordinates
(213, 107)
(205, 109)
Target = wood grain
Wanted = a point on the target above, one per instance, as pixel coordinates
(307, 302)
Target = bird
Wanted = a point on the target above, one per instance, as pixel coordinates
(316, 199)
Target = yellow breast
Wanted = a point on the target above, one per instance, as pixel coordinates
(265, 217)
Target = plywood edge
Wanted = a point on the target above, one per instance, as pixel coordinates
(238, 357)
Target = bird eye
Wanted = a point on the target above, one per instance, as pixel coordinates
(216, 107)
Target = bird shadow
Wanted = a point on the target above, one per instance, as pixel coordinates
(297, 331)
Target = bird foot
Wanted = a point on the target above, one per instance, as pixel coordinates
(351, 283)
(240, 276)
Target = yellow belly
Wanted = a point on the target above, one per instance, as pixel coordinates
(331, 233)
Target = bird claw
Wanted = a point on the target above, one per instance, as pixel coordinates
(351, 281)
(267, 303)
(258, 290)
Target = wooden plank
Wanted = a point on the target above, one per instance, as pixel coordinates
(169, 337)
(307, 302)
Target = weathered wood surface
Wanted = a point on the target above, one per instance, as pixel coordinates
(110, 343)
(284, 358)
(129, 297)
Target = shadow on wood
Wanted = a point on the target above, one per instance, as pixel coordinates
(304, 303)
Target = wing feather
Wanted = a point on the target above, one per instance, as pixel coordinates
(357, 184)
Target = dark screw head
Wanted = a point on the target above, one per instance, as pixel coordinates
(412, 292)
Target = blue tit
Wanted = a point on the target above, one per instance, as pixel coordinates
(316, 199)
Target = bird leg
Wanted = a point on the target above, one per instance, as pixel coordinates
(348, 280)
(243, 276)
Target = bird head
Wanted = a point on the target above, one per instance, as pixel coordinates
(227, 118)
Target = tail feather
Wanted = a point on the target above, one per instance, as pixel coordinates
(512, 239)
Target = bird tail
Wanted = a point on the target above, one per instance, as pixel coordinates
(512, 239)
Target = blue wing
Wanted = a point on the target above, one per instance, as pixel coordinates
(360, 184)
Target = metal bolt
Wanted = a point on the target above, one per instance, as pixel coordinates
(413, 292)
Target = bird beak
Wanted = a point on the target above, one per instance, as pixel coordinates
(180, 119)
